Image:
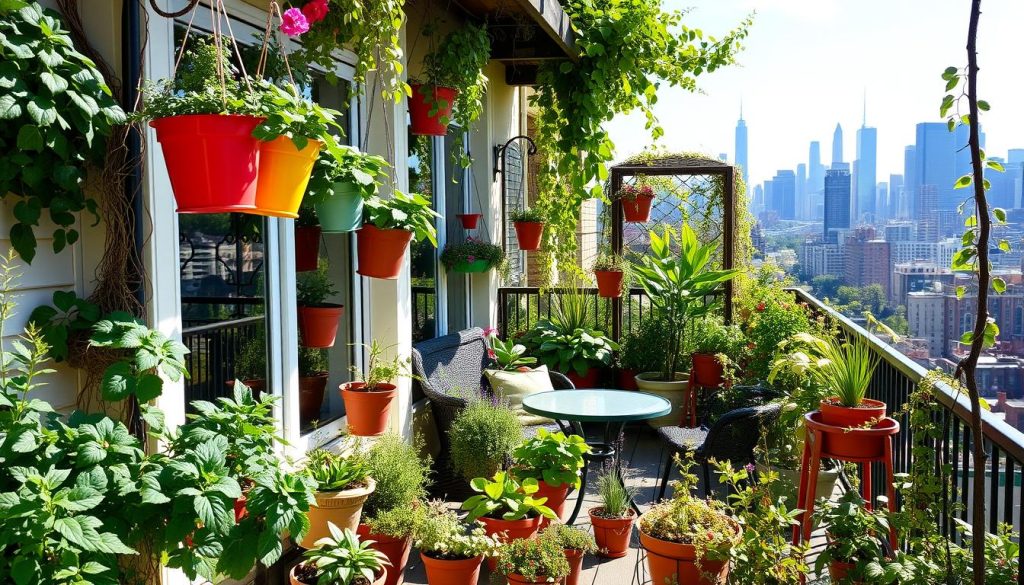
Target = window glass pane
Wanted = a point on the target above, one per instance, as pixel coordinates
(423, 254)
(456, 183)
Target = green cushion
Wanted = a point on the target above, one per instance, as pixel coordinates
(514, 386)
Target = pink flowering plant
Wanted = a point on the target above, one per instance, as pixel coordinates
(631, 192)
(470, 251)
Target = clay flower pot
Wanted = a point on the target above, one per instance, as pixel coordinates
(556, 498)
(637, 210)
(708, 371)
(627, 379)
(509, 530)
(609, 283)
(423, 121)
(675, 391)
(832, 413)
(344, 508)
(517, 579)
(612, 534)
(381, 252)
(318, 324)
(307, 247)
(311, 395)
(395, 549)
(575, 558)
(368, 412)
(589, 379)
(673, 562)
(451, 572)
(469, 220)
(529, 234)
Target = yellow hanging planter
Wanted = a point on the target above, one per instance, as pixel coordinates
(283, 175)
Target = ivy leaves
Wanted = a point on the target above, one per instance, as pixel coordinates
(56, 109)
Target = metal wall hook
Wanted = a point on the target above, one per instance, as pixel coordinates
(499, 153)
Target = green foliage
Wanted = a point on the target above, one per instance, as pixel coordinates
(470, 251)
(313, 287)
(553, 458)
(334, 473)
(840, 369)
(825, 285)
(853, 533)
(526, 214)
(346, 165)
(712, 336)
(380, 370)
(60, 325)
(679, 284)
(563, 350)
(340, 559)
(400, 473)
(540, 559)
(441, 535)
(458, 62)
(399, 522)
(312, 361)
(572, 538)
(504, 497)
(631, 192)
(643, 349)
(482, 438)
(614, 495)
(610, 263)
(251, 361)
(403, 212)
(57, 111)
(509, 355)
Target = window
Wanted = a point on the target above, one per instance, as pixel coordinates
(1018, 321)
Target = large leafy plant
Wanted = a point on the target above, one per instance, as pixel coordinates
(680, 285)
(403, 212)
(509, 355)
(57, 111)
(553, 458)
(504, 497)
(569, 351)
(340, 559)
(853, 533)
(835, 368)
(458, 62)
(346, 165)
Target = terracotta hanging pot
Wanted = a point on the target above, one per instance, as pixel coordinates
(612, 534)
(307, 247)
(395, 549)
(708, 371)
(368, 413)
(212, 161)
(529, 234)
(429, 107)
(469, 220)
(451, 572)
(311, 395)
(609, 283)
(283, 175)
(637, 210)
(318, 324)
(343, 508)
(381, 252)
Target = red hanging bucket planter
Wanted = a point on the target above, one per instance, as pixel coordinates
(423, 121)
(307, 247)
(318, 324)
(609, 283)
(381, 252)
(212, 161)
(708, 371)
(638, 209)
(529, 234)
(469, 220)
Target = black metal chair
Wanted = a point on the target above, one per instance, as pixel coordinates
(732, 437)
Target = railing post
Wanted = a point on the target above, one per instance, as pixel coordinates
(728, 237)
(617, 237)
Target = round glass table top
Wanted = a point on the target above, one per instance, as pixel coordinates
(597, 405)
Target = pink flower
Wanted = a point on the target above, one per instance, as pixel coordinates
(749, 467)
(293, 22)
(489, 331)
(491, 354)
(760, 307)
(470, 258)
(315, 10)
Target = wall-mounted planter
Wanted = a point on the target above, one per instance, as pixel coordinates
(307, 247)
(212, 161)
(283, 175)
(343, 212)
(638, 209)
(423, 121)
(479, 265)
(529, 234)
(381, 252)
(469, 220)
(368, 412)
(609, 283)
(318, 324)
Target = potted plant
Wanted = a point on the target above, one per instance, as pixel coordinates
(613, 518)
(454, 82)
(715, 347)
(578, 353)
(534, 560)
(575, 543)
(678, 285)
(636, 201)
(340, 183)
(368, 400)
(554, 460)
(472, 255)
(482, 437)
(510, 356)
(343, 484)
(388, 227)
(318, 319)
(307, 239)
(609, 272)
(851, 538)
(529, 225)
(452, 552)
(687, 539)
(312, 382)
(250, 364)
(642, 349)
(507, 508)
(469, 220)
(340, 559)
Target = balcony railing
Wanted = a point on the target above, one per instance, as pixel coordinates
(215, 348)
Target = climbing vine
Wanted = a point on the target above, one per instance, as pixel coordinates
(627, 50)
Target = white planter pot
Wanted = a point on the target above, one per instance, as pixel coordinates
(673, 391)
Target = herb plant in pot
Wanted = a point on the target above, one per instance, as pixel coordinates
(506, 507)
(482, 438)
(307, 239)
(677, 284)
(636, 202)
(312, 382)
(554, 460)
(642, 349)
(454, 83)
(341, 559)
(575, 543)
(452, 552)
(613, 518)
(610, 272)
(340, 183)
(529, 226)
(368, 400)
(472, 255)
(318, 319)
(342, 485)
(852, 538)
(250, 365)
(388, 227)
(715, 346)
(534, 560)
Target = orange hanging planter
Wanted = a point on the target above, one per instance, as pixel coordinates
(609, 283)
(637, 210)
(381, 252)
(428, 107)
(529, 234)
(284, 172)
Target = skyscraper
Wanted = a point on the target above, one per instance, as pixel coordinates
(837, 202)
(865, 181)
(815, 170)
(882, 201)
(741, 145)
(837, 146)
(784, 193)
(897, 200)
(940, 157)
(909, 181)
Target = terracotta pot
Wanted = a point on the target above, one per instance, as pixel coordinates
(672, 562)
(609, 283)
(637, 210)
(381, 580)
(612, 534)
(509, 530)
(424, 120)
(318, 324)
(838, 571)
(575, 558)
(627, 379)
(343, 508)
(395, 549)
(381, 252)
(516, 579)
(708, 371)
(590, 379)
(469, 220)
(368, 413)
(832, 413)
(857, 443)
(311, 395)
(529, 234)
(674, 391)
(307, 247)
(556, 498)
(458, 572)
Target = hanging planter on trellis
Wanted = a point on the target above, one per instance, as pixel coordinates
(636, 203)
(469, 220)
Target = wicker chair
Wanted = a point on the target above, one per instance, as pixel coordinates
(731, 438)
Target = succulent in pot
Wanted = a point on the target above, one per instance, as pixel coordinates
(613, 518)
(472, 255)
(341, 559)
(318, 319)
(388, 227)
(554, 460)
(343, 484)
(452, 551)
(529, 226)
(636, 201)
(368, 400)
(509, 356)
(534, 560)
(575, 543)
(610, 274)
(454, 83)
(341, 181)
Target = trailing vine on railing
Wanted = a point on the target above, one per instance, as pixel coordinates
(627, 51)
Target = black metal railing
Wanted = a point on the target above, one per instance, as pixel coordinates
(424, 312)
(215, 347)
(894, 381)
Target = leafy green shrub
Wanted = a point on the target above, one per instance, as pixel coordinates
(313, 287)
(553, 458)
(458, 61)
(332, 473)
(401, 474)
(441, 535)
(504, 497)
(644, 349)
(340, 559)
(482, 438)
(712, 336)
(401, 522)
(537, 559)
(312, 361)
(572, 538)
(403, 212)
(526, 214)
(615, 496)
(348, 165)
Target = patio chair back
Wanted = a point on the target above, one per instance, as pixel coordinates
(734, 436)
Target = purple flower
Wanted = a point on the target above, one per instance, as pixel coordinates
(749, 467)
(294, 22)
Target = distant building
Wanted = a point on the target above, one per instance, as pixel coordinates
(865, 180)
(897, 199)
(837, 203)
(926, 317)
(757, 202)
(757, 238)
(818, 258)
(881, 201)
(938, 253)
(741, 145)
(909, 277)
(837, 146)
(784, 194)
(909, 182)
(926, 213)
(899, 231)
(866, 260)
(803, 208)
(940, 158)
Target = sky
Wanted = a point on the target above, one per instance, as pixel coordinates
(807, 65)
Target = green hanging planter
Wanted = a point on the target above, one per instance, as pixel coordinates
(343, 212)
(481, 265)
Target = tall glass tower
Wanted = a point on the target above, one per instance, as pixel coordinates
(837, 146)
(865, 179)
(741, 144)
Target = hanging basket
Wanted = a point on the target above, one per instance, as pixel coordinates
(529, 234)
(318, 324)
(638, 209)
(343, 212)
(307, 247)
(283, 175)
(469, 220)
(212, 161)
(476, 266)
(381, 252)
(609, 283)
(424, 99)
